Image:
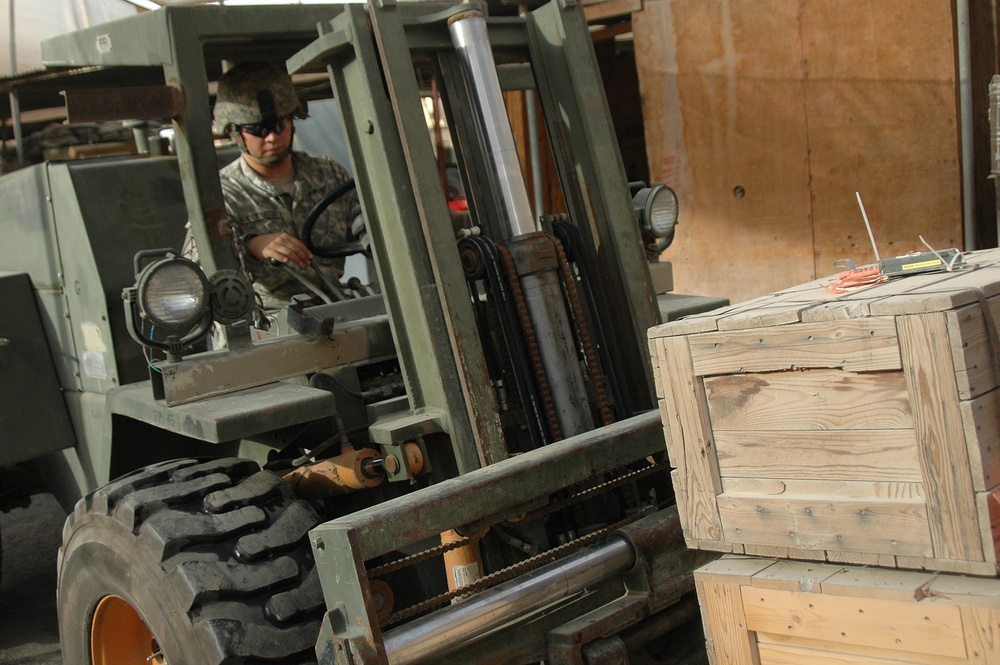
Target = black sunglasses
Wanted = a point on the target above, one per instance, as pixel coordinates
(262, 129)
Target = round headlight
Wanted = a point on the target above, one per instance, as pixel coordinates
(657, 209)
(662, 211)
(172, 294)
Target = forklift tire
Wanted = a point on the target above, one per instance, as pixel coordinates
(188, 562)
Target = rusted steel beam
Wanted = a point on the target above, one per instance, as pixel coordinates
(498, 491)
(143, 102)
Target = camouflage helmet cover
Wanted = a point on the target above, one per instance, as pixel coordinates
(253, 92)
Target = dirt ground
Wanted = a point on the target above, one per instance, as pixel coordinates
(29, 632)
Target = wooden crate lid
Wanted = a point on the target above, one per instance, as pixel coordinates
(811, 302)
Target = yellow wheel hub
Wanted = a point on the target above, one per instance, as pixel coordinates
(119, 636)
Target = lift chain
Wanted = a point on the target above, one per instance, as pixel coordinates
(569, 285)
(507, 573)
(481, 261)
(579, 497)
(414, 559)
(529, 334)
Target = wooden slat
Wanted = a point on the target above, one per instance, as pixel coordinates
(861, 559)
(960, 566)
(809, 400)
(785, 304)
(782, 650)
(847, 307)
(765, 551)
(858, 345)
(982, 634)
(865, 302)
(691, 440)
(972, 347)
(966, 591)
(940, 292)
(930, 378)
(885, 584)
(824, 490)
(776, 309)
(981, 421)
(794, 576)
(723, 546)
(775, 654)
(803, 554)
(779, 314)
(834, 455)
(732, 569)
(988, 511)
(913, 294)
(901, 626)
(827, 523)
(654, 361)
(725, 624)
(695, 323)
(674, 449)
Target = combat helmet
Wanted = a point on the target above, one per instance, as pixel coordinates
(254, 92)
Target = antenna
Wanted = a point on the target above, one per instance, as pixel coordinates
(871, 236)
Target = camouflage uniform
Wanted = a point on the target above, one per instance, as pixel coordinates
(256, 207)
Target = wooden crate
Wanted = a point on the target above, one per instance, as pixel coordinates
(768, 612)
(857, 428)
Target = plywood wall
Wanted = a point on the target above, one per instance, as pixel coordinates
(768, 115)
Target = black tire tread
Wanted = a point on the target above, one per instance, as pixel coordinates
(201, 581)
(129, 511)
(306, 598)
(290, 528)
(261, 486)
(231, 542)
(169, 533)
(246, 644)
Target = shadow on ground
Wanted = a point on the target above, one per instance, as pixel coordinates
(29, 632)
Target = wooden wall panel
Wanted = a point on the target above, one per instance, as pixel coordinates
(767, 116)
(882, 121)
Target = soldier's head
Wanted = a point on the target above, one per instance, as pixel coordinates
(255, 104)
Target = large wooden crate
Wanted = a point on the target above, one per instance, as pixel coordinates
(768, 612)
(856, 428)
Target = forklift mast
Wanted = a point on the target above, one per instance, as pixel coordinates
(377, 59)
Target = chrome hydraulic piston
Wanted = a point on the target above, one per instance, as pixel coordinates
(428, 639)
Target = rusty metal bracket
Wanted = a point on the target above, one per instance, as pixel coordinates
(220, 372)
(145, 102)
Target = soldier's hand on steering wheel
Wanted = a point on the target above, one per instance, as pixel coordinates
(282, 247)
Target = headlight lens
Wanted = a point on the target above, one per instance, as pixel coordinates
(172, 294)
(662, 211)
(656, 208)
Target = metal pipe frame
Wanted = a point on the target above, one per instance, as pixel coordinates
(452, 628)
(966, 133)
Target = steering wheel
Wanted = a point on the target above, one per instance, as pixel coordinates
(336, 250)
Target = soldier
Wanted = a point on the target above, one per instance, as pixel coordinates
(270, 190)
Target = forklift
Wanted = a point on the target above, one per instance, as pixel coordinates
(462, 461)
